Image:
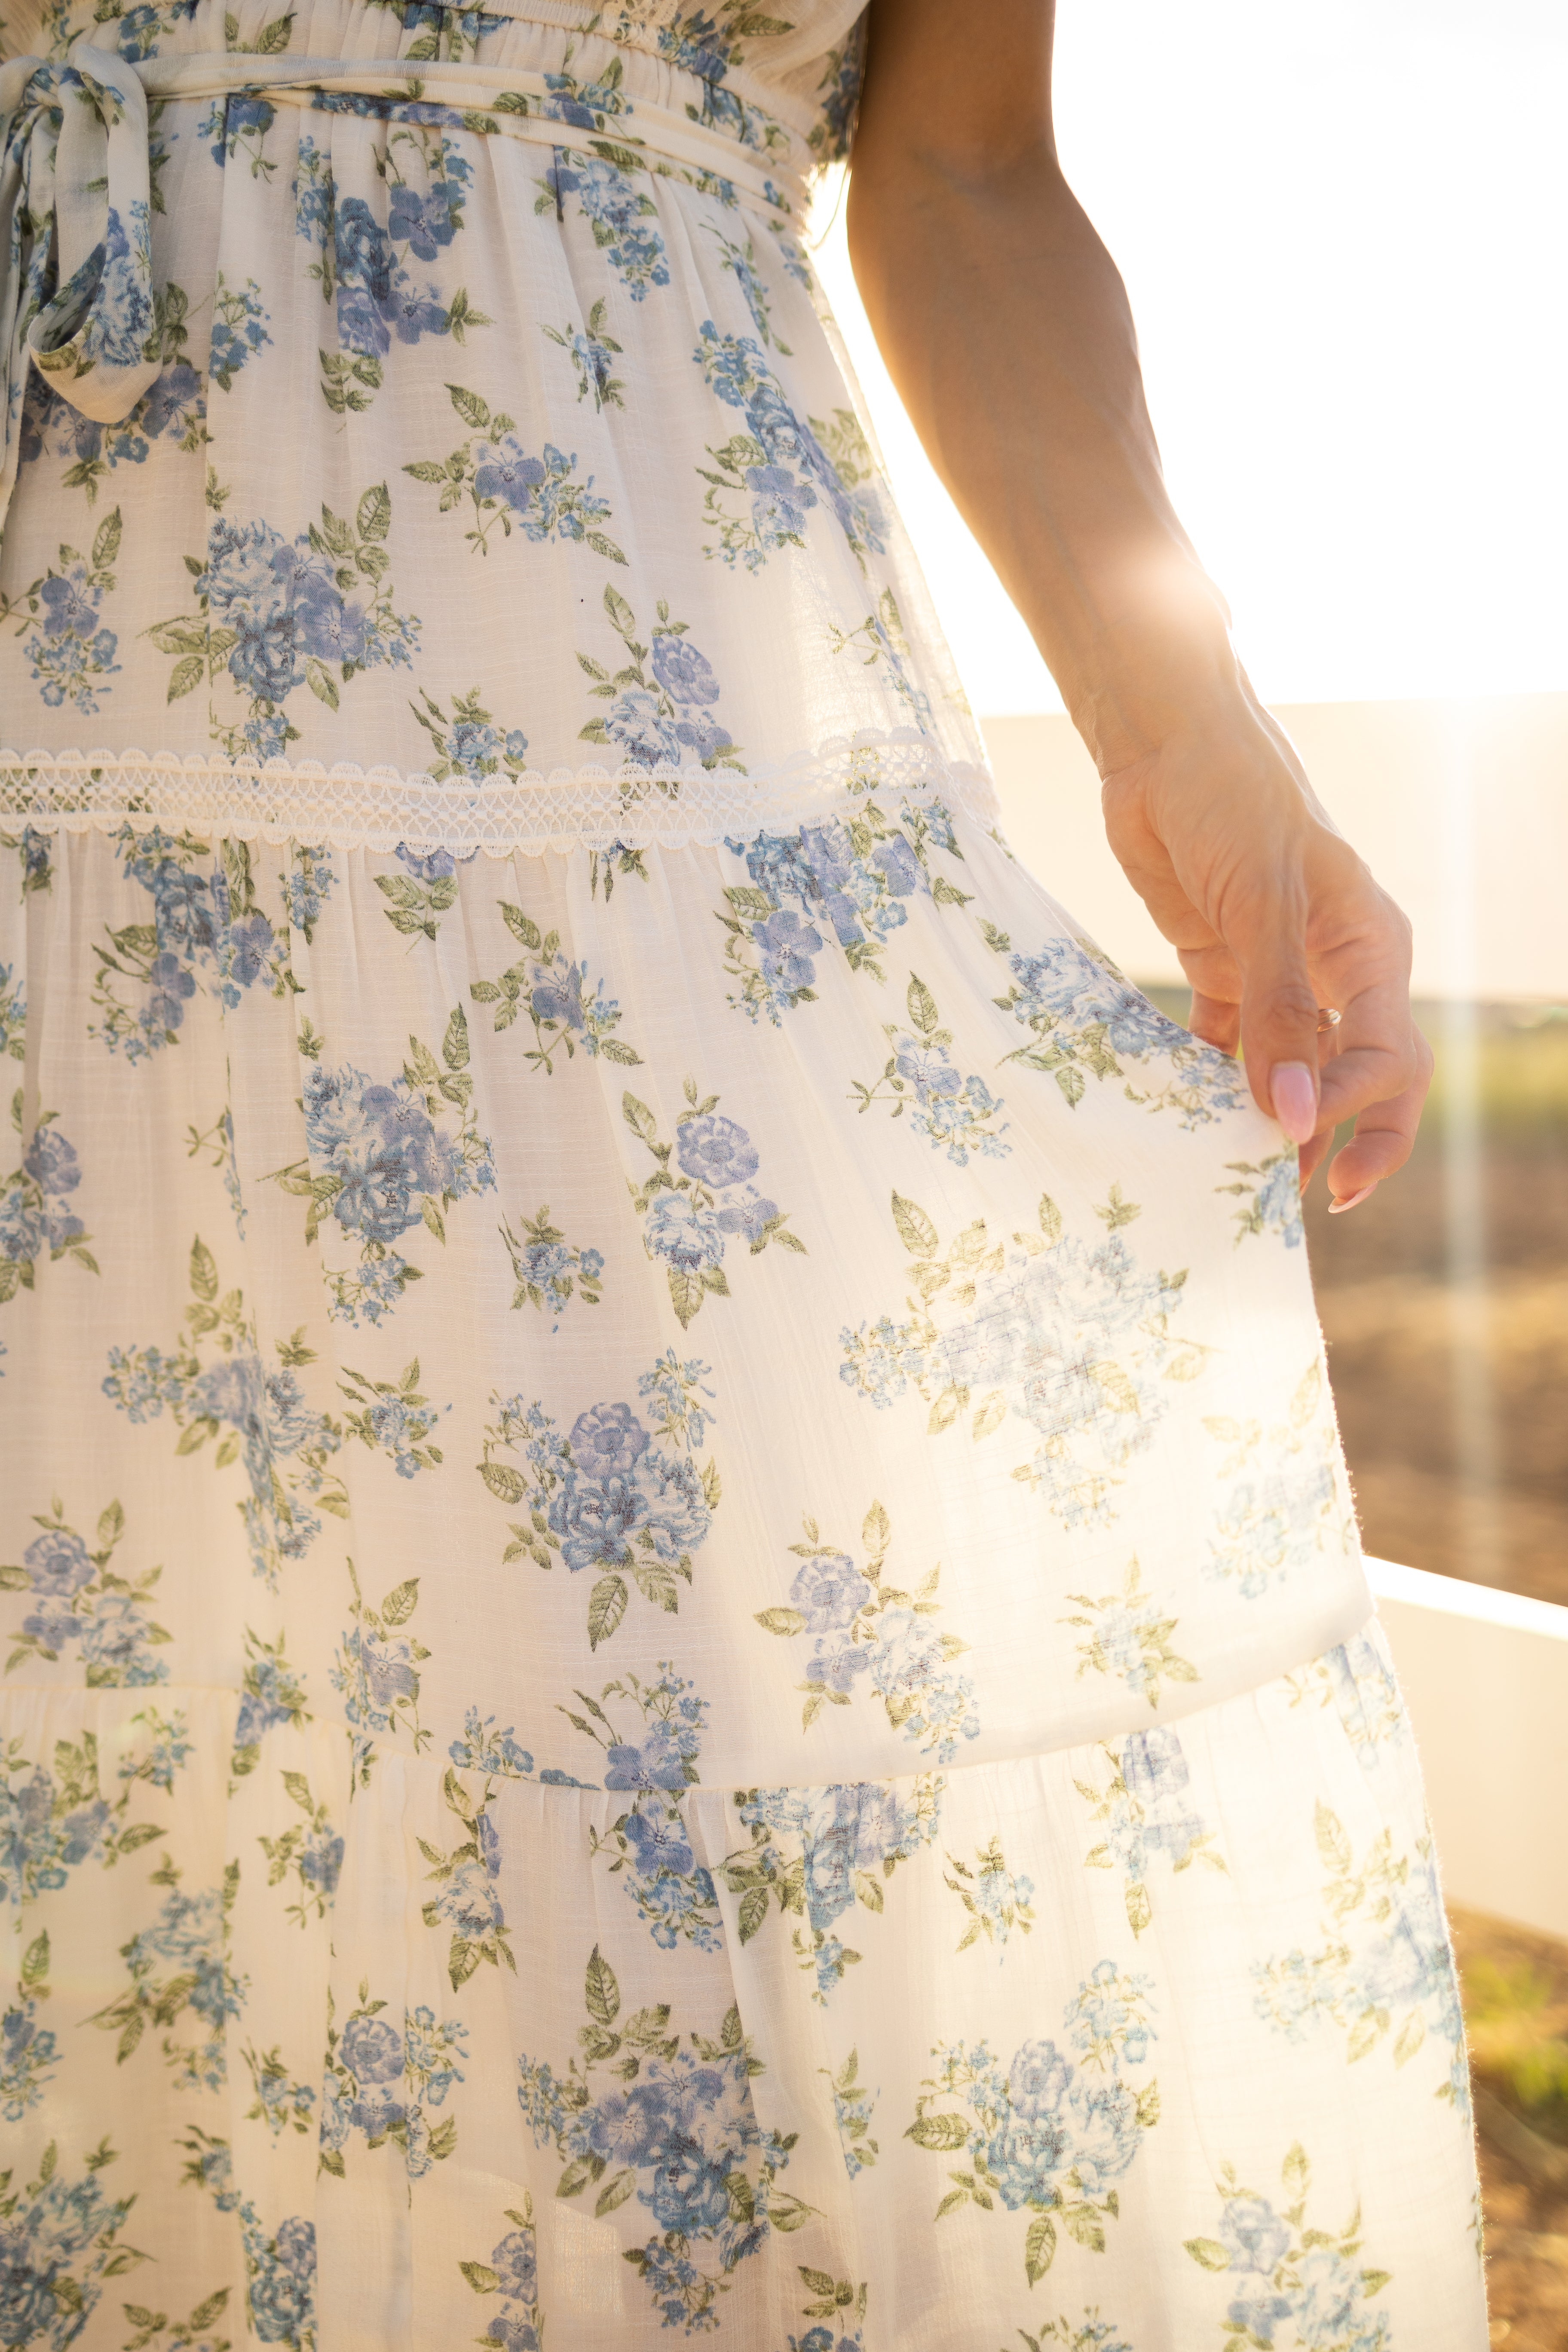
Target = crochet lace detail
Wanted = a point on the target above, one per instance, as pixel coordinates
(349, 807)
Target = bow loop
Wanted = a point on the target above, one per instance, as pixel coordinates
(76, 257)
(97, 338)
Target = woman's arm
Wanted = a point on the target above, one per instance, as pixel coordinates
(1006, 326)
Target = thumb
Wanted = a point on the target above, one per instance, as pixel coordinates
(1280, 1029)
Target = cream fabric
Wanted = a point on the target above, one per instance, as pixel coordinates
(687, 1650)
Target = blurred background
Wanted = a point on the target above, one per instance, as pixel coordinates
(1343, 233)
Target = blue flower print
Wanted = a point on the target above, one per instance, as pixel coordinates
(182, 1962)
(377, 1671)
(58, 2239)
(272, 615)
(1146, 1813)
(817, 1851)
(607, 1496)
(648, 1846)
(1286, 1506)
(1271, 1195)
(660, 709)
(550, 1271)
(363, 266)
(239, 124)
(1074, 1340)
(469, 745)
(849, 880)
(859, 1629)
(1127, 1636)
(173, 409)
(238, 330)
(997, 1904)
(740, 261)
(396, 1418)
(512, 2275)
(36, 1221)
(878, 643)
(55, 1818)
(1384, 1956)
(920, 1075)
(209, 931)
(29, 2051)
(553, 991)
(469, 1901)
(34, 857)
(690, 1217)
(506, 484)
(1044, 2133)
(495, 1752)
(763, 482)
(593, 353)
(715, 1151)
(383, 1158)
(686, 675)
(1278, 2270)
(837, 105)
(382, 2083)
(68, 653)
(80, 1599)
(681, 2135)
(311, 1853)
(280, 2266)
(120, 321)
(617, 214)
(1086, 1021)
(253, 1415)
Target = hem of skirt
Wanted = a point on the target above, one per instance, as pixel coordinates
(526, 812)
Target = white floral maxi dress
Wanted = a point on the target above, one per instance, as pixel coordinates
(685, 1645)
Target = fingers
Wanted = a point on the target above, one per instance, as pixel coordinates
(1215, 1019)
(1279, 1024)
(1380, 1050)
(1383, 1135)
(1311, 1155)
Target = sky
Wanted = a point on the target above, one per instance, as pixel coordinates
(1344, 231)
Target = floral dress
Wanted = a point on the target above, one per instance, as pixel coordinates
(684, 1651)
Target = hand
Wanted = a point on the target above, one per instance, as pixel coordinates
(1273, 915)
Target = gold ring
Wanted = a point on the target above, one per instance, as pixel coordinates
(1328, 1017)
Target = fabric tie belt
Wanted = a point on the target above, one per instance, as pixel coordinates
(76, 255)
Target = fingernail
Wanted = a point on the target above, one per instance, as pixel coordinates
(1295, 1099)
(1338, 1208)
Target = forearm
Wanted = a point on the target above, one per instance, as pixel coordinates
(1007, 328)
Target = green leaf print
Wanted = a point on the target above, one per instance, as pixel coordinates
(40, 1226)
(82, 1610)
(866, 1624)
(554, 993)
(1021, 2122)
(918, 1076)
(1286, 2270)
(695, 1207)
(537, 496)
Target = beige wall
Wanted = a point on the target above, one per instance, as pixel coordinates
(1460, 808)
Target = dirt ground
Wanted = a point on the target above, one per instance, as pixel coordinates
(1516, 2000)
(1394, 1336)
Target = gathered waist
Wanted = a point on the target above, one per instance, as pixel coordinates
(77, 296)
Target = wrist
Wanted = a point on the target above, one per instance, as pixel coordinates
(1159, 665)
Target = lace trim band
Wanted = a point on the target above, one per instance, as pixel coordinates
(382, 809)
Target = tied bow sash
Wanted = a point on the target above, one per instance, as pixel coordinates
(76, 253)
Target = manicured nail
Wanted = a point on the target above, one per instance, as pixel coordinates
(1295, 1099)
(1338, 1208)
